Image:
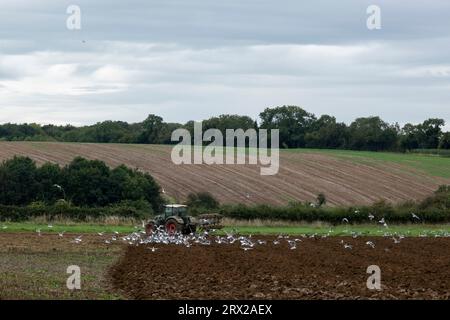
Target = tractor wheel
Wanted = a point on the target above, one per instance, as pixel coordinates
(150, 228)
(172, 226)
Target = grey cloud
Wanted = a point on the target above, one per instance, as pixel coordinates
(193, 59)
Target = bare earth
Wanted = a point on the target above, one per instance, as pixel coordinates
(416, 268)
(301, 177)
(34, 267)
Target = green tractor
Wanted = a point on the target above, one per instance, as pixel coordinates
(176, 220)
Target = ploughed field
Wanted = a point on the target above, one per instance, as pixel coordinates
(33, 266)
(319, 268)
(345, 180)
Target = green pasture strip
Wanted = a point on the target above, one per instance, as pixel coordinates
(431, 164)
(70, 228)
(343, 230)
(340, 230)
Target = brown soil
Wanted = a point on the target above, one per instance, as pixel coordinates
(416, 268)
(302, 176)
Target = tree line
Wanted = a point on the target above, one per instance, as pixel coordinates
(298, 129)
(83, 183)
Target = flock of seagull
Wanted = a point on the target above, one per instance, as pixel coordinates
(246, 243)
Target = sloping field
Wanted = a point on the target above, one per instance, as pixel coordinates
(345, 178)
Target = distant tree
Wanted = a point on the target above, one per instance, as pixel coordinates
(152, 127)
(111, 131)
(327, 133)
(293, 123)
(128, 184)
(372, 134)
(227, 121)
(87, 182)
(410, 137)
(445, 141)
(426, 135)
(18, 184)
(50, 180)
(432, 133)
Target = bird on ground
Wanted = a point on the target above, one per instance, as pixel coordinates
(78, 239)
(61, 234)
(371, 217)
(415, 216)
(345, 220)
(396, 241)
(383, 222)
(107, 241)
(152, 249)
(347, 246)
(371, 244)
(292, 244)
(38, 232)
(100, 233)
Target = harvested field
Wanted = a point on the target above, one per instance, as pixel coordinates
(320, 268)
(301, 177)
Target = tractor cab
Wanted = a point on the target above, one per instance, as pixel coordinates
(178, 210)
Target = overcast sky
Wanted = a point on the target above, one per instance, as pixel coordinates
(192, 59)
